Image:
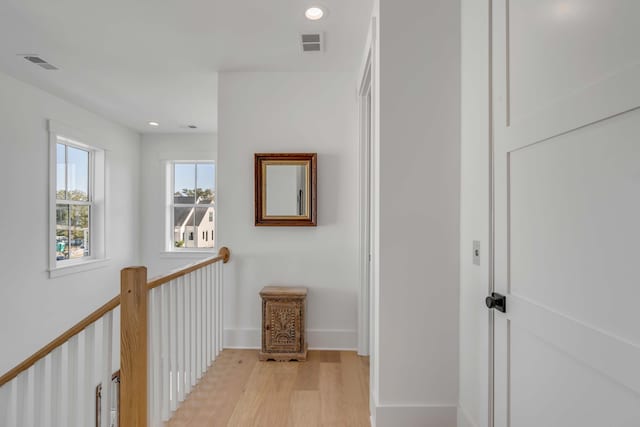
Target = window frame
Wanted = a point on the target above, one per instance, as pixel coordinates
(61, 134)
(170, 248)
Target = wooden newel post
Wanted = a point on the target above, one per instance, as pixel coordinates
(133, 347)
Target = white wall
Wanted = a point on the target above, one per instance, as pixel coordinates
(474, 209)
(33, 308)
(417, 144)
(290, 112)
(156, 150)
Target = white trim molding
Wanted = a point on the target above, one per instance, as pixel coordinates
(189, 254)
(88, 265)
(423, 415)
(318, 339)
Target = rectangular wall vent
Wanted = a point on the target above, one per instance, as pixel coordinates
(311, 47)
(312, 42)
(40, 62)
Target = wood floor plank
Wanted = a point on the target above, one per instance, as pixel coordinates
(330, 389)
(276, 405)
(308, 373)
(327, 356)
(331, 395)
(249, 403)
(354, 390)
(218, 391)
(305, 409)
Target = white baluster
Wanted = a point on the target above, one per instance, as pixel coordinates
(155, 356)
(194, 328)
(40, 394)
(214, 299)
(205, 314)
(106, 370)
(180, 336)
(72, 384)
(214, 273)
(214, 308)
(219, 311)
(150, 359)
(186, 349)
(56, 388)
(173, 343)
(8, 403)
(164, 336)
(203, 362)
(216, 284)
(198, 324)
(89, 389)
(211, 313)
(5, 399)
(221, 306)
(22, 410)
(207, 317)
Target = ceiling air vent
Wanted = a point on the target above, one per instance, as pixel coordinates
(311, 43)
(40, 62)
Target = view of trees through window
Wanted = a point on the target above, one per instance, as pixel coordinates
(73, 202)
(193, 205)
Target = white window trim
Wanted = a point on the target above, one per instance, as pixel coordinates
(97, 187)
(170, 251)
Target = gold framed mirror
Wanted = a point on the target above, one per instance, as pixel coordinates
(285, 189)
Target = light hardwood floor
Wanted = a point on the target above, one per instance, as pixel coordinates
(330, 389)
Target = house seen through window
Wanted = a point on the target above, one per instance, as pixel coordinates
(73, 201)
(193, 205)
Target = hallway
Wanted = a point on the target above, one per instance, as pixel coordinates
(330, 389)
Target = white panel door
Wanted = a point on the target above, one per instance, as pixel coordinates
(566, 93)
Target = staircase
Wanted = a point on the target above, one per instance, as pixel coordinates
(170, 331)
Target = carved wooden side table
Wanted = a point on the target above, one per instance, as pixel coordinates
(283, 323)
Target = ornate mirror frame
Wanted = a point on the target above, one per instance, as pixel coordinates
(309, 160)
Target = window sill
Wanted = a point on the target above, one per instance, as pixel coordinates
(188, 254)
(78, 268)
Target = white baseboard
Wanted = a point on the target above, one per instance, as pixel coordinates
(414, 416)
(242, 338)
(463, 418)
(373, 403)
(318, 339)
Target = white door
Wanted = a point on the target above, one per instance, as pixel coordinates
(566, 85)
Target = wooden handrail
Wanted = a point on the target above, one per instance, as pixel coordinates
(223, 255)
(66, 336)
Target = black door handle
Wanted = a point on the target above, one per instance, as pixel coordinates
(497, 301)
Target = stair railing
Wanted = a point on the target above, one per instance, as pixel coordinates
(170, 332)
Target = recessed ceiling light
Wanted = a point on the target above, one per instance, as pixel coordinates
(314, 13)
(154, 124)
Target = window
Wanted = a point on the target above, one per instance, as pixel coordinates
(192, 207)
(73, 201)
(77, 200)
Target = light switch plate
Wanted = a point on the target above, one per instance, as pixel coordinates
(476, 252)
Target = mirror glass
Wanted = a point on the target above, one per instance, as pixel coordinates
(286, 188)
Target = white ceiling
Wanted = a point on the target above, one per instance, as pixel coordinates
(139, 60)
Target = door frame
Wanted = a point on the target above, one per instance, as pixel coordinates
(492, 226)
(365, 172)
